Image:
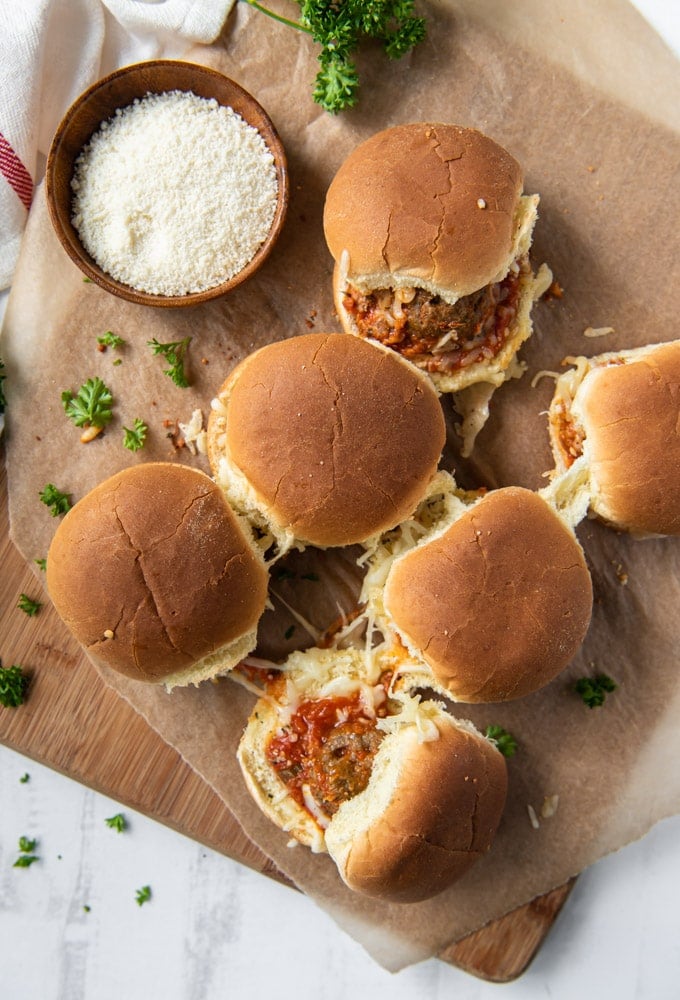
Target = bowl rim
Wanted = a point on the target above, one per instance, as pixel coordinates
(70, 240)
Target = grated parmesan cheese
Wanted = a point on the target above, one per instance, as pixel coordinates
(174, 194)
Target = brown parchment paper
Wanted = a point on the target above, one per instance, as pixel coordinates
(593, 127)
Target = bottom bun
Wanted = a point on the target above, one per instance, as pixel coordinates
(404, 797)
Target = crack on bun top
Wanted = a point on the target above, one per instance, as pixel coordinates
(326, 438)
(405, 204)
(153, 573)
(496, 605)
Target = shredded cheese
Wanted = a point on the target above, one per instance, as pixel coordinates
(194, 434)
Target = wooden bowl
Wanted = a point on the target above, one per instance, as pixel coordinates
(99, 103)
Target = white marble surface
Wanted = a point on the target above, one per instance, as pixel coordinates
(213, 929)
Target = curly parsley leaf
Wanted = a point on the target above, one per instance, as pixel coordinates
(505, 741)
(174, 353)
(336, 82)
(41, 564)
(58, 502)
(13, 686)
(594, 690)
(410, 33)
(134, 437)
(91, 405)
(25, 778)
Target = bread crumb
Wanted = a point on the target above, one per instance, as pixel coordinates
(90, 433)
(549, 807)
(597, 331)
(554, 291)
(481, 203)
(108, 634)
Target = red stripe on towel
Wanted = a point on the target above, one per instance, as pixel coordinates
(15, 173)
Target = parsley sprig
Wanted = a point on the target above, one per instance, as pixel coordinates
(13, 686)
(594, 690)
(505, 741)
(58, 502)
(339, 27)
(28, 605)
(91, 406)
(135, 436)
(174, 353)
(110, 339)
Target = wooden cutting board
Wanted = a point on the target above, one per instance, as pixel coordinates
(75, 724)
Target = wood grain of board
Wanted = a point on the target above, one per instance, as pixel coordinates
(75, 724)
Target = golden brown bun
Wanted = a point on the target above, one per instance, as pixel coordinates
(433, 801)
(153, 573)
(328, 438)
(432, 203)
(498, 603)
(431, 810)
(630, 414)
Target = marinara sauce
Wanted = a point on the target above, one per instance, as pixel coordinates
(329, 746)
(473, 329)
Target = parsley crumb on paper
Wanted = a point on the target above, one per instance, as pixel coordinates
(117, 822)
(143, 895)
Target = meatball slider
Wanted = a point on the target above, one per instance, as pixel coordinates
(430, 232)
(157, 577)
(404, 797)
(614, 422)
(325, 439)
(493, 605)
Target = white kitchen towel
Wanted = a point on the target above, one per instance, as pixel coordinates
(52, 50)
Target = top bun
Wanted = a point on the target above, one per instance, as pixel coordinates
(155, 576)
(325, 439)
(498, 603)
(614, 418)
(434, 205)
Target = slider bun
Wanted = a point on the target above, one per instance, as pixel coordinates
(405, 208)
(325, 439)
(433, 801)
(429, 812)
(498, 603)
(155, 576)
(630, 414)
